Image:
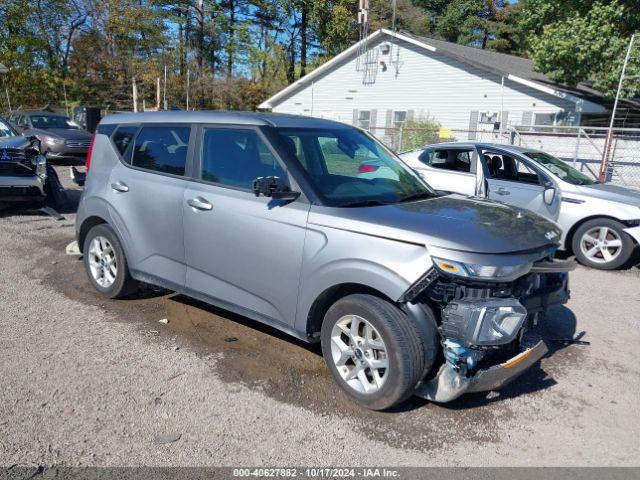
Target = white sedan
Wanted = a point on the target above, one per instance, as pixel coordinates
(600, 222)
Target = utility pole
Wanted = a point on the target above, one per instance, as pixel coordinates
(187, 89)
(158, 95)
(164, 94)
(609, 138)
(501, 107)
(393, 15)
(135, 94)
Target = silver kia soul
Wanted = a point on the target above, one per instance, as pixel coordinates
(409, 291)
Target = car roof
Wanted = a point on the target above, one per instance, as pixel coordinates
(224, 117)
(43, 113)
(501, 146)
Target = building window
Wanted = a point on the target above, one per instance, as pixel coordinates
(364, 119)
(488, 117)
(545, 118)
(399, 119)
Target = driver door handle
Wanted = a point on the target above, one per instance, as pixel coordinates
(503, 191)
(199, 203)
(120, 186)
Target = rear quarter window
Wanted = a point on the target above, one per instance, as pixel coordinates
(123, 137)
(107, 129)
(162, 149)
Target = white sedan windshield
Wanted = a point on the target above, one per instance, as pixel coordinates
(560, 168)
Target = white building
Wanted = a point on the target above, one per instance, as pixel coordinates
(392, 77)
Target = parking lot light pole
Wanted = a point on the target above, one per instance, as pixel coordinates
(4, 70)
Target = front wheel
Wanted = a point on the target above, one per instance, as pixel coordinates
(603, 244)
(373, 350)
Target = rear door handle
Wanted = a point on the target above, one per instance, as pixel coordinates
(120, 186)
(199, 203)
(503, 191)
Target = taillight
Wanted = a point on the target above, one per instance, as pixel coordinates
(366, 168)
(88, 163)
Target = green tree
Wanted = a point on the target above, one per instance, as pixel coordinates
(574, 41)
(471, 22)
(333, 22)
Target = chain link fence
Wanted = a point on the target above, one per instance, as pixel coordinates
(583, 147)
(586, 148)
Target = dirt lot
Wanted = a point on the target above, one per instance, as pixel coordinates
(85, 381)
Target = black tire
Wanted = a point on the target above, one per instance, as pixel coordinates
(123, 284)
(405, 353)
(621, 257)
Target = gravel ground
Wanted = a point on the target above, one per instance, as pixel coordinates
(85, 381)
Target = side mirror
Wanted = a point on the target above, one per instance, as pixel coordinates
(273, 187)
(549, 193)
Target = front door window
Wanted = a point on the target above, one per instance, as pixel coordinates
(234, 158)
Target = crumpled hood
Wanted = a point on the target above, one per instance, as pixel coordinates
(610, 192)
(66, 134)
(454, 222)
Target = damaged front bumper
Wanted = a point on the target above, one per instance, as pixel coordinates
(450, 384)
(479, 323)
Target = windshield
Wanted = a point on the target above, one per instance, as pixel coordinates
(6, 130)
(52, 121)
(560, 168)
(349, 168)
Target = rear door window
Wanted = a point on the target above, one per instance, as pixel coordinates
(123, 136)
(162, 149)
(449, 159)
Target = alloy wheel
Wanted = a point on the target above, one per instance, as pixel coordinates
(102, 262)
(601, 244)
(359, 354)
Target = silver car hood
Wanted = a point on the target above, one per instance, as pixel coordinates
(453, 222)
(614, 193)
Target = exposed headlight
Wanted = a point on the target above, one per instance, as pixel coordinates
(41, 166)
(53, 141)
(479, 271)
(490, 321)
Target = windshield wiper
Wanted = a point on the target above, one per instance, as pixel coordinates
(416, 196)
(362, 203)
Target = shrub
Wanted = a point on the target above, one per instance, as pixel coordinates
(419, 132)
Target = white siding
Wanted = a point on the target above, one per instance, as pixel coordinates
(428, 83)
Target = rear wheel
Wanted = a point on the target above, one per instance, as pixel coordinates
(602, 243)
(106, 264)
(373, 350)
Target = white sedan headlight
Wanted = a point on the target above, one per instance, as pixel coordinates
(481, 272)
